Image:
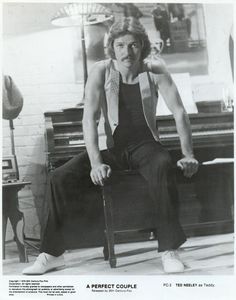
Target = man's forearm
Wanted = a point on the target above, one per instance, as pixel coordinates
(185, 134)
(91, 142)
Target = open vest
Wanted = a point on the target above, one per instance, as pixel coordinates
(109, 118)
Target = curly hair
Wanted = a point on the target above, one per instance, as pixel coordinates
(129, 25)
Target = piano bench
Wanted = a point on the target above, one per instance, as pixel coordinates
(127, 209)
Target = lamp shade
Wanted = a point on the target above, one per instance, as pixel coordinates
(76, 14)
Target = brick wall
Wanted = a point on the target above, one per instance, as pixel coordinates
(41, 64)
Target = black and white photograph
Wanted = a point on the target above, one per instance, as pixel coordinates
(117, 149)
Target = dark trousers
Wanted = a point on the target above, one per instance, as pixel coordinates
(153, 162)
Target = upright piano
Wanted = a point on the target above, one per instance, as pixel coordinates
(206, 200)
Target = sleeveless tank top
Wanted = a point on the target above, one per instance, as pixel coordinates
(132, 129)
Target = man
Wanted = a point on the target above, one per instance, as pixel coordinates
(122, 93)
(161, 22)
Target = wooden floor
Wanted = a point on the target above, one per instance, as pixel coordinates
(208, 255)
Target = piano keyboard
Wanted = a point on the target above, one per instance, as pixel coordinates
(200, 133)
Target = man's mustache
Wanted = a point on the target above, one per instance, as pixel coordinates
(127, 57)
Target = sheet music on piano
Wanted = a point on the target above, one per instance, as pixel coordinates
(218, 161)
(183, 83)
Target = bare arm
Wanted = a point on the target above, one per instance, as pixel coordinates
(94, 91)
(173, 101)
(172, 98)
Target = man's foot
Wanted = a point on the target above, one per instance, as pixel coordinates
(44, 263)
(171, 262)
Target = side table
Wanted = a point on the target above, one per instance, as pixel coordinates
(10, 209)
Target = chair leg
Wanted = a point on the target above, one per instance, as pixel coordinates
(109, 228)
(105, 248)
(111, 250)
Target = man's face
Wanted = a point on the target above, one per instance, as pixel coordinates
(127, 50)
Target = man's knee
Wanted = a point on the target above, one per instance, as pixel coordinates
(74, 169)
(162, 160)
(58, 176)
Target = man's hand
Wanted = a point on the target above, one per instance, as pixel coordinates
(189, 165)
(100, 173)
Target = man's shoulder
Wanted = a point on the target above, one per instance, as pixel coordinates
(156, 66)
(100, 67)
(97, 72)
